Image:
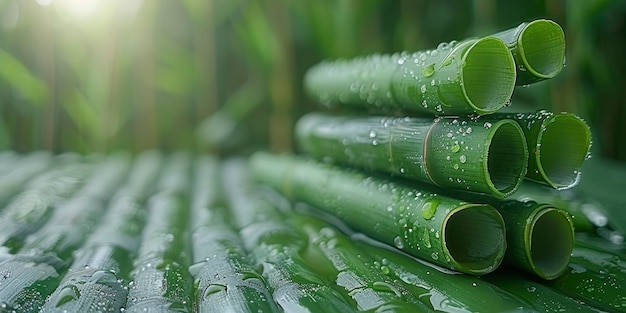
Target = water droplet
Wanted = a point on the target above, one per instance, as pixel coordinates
(429, 208)
(432, 82)
(385, 287)
(456, 166)
(531, 289)
(398, 242)
(426, 238)
(195, 269)
(67, 294)
(474, 284)
(372, 134)
(402, 170)
(487, 125)
(435, 256)
(455, 148)
(429, 70)
(423, 89)
(384, 269)
(214, 288)
(448, 157)
(462, 158)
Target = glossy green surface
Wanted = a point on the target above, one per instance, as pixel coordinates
(455, 153)
(449, 232)
(96, 281)
(225, 278)
(475, 76)
(275, 246)
(558, 144)
(538, 48)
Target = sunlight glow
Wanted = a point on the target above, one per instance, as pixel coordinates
(79, 8)
(44, 3)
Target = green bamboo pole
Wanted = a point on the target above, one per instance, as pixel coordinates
(160, 280)
(595, 277)
(462, 236)
(37, 269)
(32, 207)
(586, 240)
(585, 217)
(447, 152)
(475, 76)
(540, 237)
(276, 246)
(538, 48)
(225, 278)
(355, 273)
(558, 145)
(541, 297)
(447, 292)
(96, 278)
(20, 171)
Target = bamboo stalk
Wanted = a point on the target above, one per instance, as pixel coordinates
(538, 48)
(475, 76)
(451, 153)
(462, 236)
(558, 145)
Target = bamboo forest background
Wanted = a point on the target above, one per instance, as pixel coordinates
(224, 76)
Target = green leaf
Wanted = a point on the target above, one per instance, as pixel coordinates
(22, 79)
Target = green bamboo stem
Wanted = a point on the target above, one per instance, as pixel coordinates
(20, 171)
(50, 248)
(31, 208)
(595, 277)
(74, 218)
(540, 237)
(450, 153)
(276, 246)
(95, 281)
(446, 292)
(160, 280)
(225, 278)
(584, 216)
(538, 48)
(586, 240)
(462, 236)
(538, 295)
(558, 144)
(475, 76)
(355, 273)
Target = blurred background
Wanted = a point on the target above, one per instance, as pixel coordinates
(225, 76)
